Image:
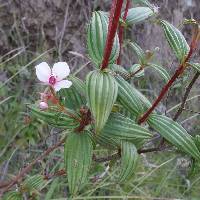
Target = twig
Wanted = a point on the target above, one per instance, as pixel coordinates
(112, 28)
(165, 89)
(121, 31)
(187, 92)
(60, 172)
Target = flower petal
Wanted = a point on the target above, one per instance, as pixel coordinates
(62, 84)
(60, 70)
(43, 72)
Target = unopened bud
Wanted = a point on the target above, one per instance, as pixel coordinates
(157, 49)
(43, 105)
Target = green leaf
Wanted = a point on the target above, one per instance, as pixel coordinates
(197, 141)
(196, 66)
(174, 133)
(52, 189)
(134, 68)
(176, 40)
(139, 52)
(78, 158)
(144, 2)
(107, 141)
(162, 71)
(54, 118)
(13, 195)
(121, 127)
(138, 14)
(101, 89)
(78, 84)
(117, 68)
(73, 97)
(34, 182)
(130, 97)
(129, 160)
(126, 113)
(120, 70)
(96, 38)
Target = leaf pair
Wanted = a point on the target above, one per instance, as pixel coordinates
(144, 61)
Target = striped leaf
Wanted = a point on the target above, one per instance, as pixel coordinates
(101, 89)
(54, 118)
(13, 195)
(129, 160)
(78, 84)
(120, 71)
(143, 2)
(77, 158)
(138, 14)
(161, 71)
(96, 38)
(195, 66)
(134, 68)
(73, 97)
(107, 141)
(176, 40)
(197, 141)
(123, 111)
(174, 133)
(121, 127)
(34, 182)
(129, 98)
(138, 51)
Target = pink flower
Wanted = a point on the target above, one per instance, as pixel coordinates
(54, 77)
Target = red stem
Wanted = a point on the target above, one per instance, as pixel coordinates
(167, 86)
(121, 31)
(112, 28)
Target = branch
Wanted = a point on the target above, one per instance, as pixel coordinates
(165, 89)
(187, 92)
(112, 28)
(121, 31)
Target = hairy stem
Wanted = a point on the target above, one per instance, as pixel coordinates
(165, 89)
(112, 29)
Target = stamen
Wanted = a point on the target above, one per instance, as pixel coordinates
(52, 80)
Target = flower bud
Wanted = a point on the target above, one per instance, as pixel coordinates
(43, 105)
